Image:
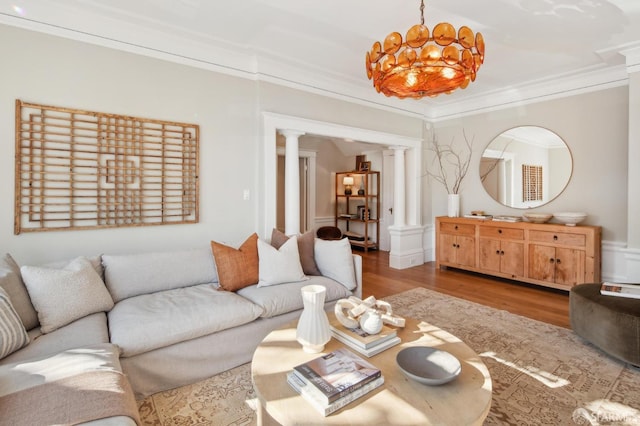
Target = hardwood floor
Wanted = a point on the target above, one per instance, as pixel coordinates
(540, 303)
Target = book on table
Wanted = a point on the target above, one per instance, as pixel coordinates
(359, 337)
(620, 290)
(373, 350)
(309, 394)
(336, 374)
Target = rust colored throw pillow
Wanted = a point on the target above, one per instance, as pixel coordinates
(306, 244)
(237, 268)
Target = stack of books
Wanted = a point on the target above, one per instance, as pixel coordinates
(332, 381)
(507, 218)
(479, 216)
(362, 342)
(621, 290)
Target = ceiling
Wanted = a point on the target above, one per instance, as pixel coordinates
(535, 49)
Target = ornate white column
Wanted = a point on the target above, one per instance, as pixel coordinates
(291, 182)
(405, 240)
(399, 187)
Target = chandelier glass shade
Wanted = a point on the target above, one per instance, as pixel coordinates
(425, 63)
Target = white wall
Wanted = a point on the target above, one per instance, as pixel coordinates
(54, 71)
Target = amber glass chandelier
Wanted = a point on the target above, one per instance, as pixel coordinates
(425, 64)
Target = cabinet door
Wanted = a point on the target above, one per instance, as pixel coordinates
(512, 258)
(542, 261)
(466, 247)
(490, 254)
(567, 262)
(447, 248)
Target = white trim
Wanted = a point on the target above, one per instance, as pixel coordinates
(201, 52)
(620, 263)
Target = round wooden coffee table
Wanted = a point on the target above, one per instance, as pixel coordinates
(399, 401)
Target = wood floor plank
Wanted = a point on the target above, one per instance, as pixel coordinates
(536, 302)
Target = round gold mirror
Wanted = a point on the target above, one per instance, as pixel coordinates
(526, 167)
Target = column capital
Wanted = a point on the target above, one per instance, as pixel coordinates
(397, 148)
(290, 133)
(632, 59)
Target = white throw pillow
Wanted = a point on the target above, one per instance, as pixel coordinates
(13, 336)
(335, 261)
(277, 266)
(62, 296)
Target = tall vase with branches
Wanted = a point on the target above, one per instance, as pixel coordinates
(450, 168)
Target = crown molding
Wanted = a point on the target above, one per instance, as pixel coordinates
(245, 63)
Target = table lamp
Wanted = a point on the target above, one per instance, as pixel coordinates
(347, 182)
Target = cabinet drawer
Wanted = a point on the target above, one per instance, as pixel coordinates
(506, 233)
(560, 238)
(457, 229)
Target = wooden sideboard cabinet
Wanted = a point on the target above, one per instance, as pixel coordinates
(551, 255)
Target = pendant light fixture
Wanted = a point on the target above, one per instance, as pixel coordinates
(425, 63)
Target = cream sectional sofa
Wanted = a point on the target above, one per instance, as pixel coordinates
(169, 321)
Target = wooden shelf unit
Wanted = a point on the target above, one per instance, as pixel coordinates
(348, 208)
(550, 255)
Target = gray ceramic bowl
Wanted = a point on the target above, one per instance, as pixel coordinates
(428, 365)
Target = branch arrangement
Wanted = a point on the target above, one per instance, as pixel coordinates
(446, 158)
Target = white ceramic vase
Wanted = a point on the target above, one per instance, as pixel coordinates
(313, 326)
(453, 205)
(371, 322)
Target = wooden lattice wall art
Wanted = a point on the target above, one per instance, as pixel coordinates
(531, 183)
(86, 170)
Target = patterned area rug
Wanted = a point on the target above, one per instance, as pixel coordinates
(542, 374)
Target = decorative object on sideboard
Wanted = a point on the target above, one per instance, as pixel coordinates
(453, 205)
(426, 64)
(347, 181)
(365, 166)
(570, 218)
(369, 314)
(359, 159)
(447, 158)
(537, 217)
(313, 326)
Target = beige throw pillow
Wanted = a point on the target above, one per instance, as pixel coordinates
(11, 282)
(278, 266)
(306, 243)
(62, 296)
(13, 336)
(335, 261)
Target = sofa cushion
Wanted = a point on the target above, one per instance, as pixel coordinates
(62, 296)
(283, 298)
(306, 250)
(13, 336)
(150, 321)
(335, 260)
(89, 330)
(237, 268)
(11, 282)
(277, 266)
(96, 263)
(136, 274)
